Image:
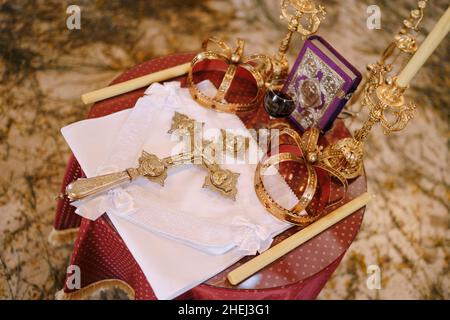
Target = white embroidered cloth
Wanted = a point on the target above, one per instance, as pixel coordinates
(180, 234)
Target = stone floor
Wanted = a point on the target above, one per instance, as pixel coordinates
(44, 67)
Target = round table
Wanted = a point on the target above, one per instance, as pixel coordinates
(105, 260)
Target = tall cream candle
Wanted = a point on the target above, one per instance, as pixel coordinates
(135, 83)
(435, 37)
(267, 257)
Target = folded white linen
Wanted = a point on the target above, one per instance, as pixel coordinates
(211, 232)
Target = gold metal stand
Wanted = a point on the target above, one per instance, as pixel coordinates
(303, 10)
(404, 42)
(382, 96)
(388, 107)
(153, 168)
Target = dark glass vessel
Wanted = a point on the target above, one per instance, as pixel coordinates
(278, 104)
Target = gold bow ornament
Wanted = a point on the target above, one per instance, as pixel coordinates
(258, 65)
(312, 158)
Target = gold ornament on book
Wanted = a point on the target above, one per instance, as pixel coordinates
(258, 65)
(305, 19)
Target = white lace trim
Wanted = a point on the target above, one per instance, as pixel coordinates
(250, 237)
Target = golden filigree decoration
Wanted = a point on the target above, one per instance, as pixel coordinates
(405, 39)
(404, 42)
(155, 169)
(305, 19)
(221, 180)
(387, 106)
(258, 65)
(311, 157)
(382, 96)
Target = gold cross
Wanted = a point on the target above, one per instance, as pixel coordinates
(155, 169)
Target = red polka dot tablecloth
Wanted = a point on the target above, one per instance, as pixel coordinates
(101, 253)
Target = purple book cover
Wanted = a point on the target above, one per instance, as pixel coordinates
(321, 82)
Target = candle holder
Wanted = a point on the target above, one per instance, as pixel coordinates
(304, 11)
(405, 39)
(404, 43)
(384, 98)
(387, 106)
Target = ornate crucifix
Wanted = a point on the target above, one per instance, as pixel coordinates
(155, 169)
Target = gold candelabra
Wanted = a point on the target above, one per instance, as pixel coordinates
(404, 43)
(305, 19)
(383, 97)
(387, 106)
